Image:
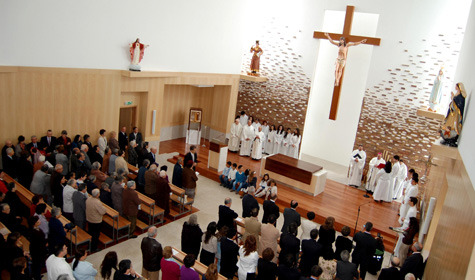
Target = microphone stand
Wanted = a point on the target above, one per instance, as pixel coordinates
(358, 216)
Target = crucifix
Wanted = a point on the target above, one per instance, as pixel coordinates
(343, 41)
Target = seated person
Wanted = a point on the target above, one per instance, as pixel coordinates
(263, 186)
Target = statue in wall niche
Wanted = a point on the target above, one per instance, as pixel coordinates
(137, 51)
(453, 122)
(436, 94)
(256, 59)
(342, 53)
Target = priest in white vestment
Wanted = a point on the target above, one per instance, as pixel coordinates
(382, 192)
(257, 144)
(236, 129)
(294, 144)
(278, 138)
(269, 148)
(401, 177)
(394, 173)
(411, 212)
(412, 190)
(243, 118)
(247, 136)
(256, 124)
(372, 171)
(357, 162)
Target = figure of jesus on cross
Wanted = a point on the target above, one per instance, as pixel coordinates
(342, 53)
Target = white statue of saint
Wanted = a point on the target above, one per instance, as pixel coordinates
(436, 94)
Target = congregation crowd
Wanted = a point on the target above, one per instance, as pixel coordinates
(251, 138)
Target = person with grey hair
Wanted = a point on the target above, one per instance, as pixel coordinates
(94, 213)
(249, 202)
(346, 270)
(56, 234)
(120, 163)
(191, 236)
(131, 206)
(392, 272)
(105, 195)
(62, 159)
(163, 190)
(189, 179)
(41, 182)
(415, 263)
(117, 189)
(100, 176)
(114, 155)
(409, 276)
(87, 160)
(151, 254)
(141, 175)
(79, 206)
(133, 158)
(226, 214)
(151, 180)
(68, 191)
(10, 163)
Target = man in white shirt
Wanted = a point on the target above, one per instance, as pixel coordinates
(68, 192)
(102, 142)
(357, 162)
(231, 176)
(56, 263)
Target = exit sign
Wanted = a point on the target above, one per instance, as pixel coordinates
(128, 102)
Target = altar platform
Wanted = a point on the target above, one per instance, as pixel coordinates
(337, 200)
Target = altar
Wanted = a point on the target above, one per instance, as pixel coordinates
(297, 174)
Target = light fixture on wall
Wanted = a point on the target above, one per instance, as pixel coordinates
(154, 115)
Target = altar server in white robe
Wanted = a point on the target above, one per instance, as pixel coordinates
(411, 191)
(269, 148)
(411, 212)
(294, 144)
(394, 173)
(278, 138)
(265, 129)
(373, 169)
(257, 144)
(284, 147)
(236, 130)
(256, 124)
(357, 162)
(401, 177)
(247, 136)
(383, 184)
(243, 118)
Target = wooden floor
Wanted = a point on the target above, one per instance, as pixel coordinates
(338, 200)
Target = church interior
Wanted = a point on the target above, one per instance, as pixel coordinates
(65, 65)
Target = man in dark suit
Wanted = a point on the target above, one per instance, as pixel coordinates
(192, 155)
(177, 178)
(152, 156)
(291, 216)
(344, 269)
(48, 142)
(270, 208)
(10, 163)
(391, 273)
(311, 252)
(123, 141)
(229, 254)
(136, 135)
(33, 144)
(364, 250)
(415, 263)
(226, 214)
(289, 243)
(249, 202)
(8, 144)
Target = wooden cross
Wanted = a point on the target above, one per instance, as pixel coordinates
(350, 10)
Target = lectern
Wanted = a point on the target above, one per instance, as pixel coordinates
(218, 152)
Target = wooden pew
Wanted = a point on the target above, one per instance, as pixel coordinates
(111, 218)
(153, 212)
(199, 267)
(185, 205)
(24, 241)
(77, 236)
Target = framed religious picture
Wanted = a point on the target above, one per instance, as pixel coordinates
(193, 134)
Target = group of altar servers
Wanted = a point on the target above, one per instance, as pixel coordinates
(251, 138)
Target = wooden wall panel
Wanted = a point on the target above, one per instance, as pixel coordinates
(454, 237)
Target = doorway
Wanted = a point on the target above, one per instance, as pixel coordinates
(128, 118)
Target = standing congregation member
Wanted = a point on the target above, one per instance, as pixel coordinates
(248, 258)
(120, 163)
(94, 213)
(357, 162)
(311, 252)
(346, 270)
(131, 206)
(169, 266)
(102, 142)
(123, 139)
(151, 254)
(229, 254)
(392, 272)
(415, 263)
(269, 237)
(83, 270)
(308, 225)
(269, 147)
(234, 140)
(289, 243)
(247, 136)
(106, 160)
(266, 269)
(117, 190)
(291, 216)
(56, 264)
(191, 236)
(113, 143)
(162, 196)
(192, 155)
(189, 179)
(209, 245)
(79, 206)
(136, 135)
(252, 226)
(186, 271)
(327, 237)
(65, 141)
(364, 249)
(48, 144)
(372, 171)
(141, 175)
(133, 157)
(249, 202)
(226, 214)
(343, 242)
(270, 208)
(177, 178)
(259, 139)
(68, 191)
